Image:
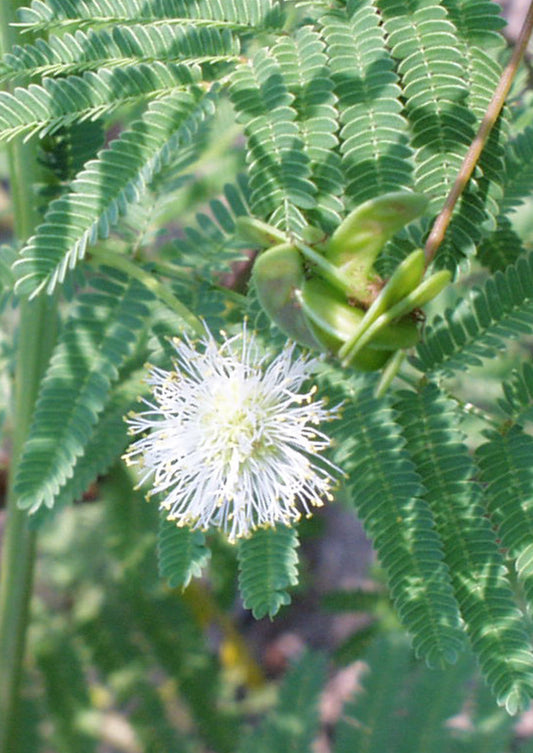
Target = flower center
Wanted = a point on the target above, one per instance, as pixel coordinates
(232, 420)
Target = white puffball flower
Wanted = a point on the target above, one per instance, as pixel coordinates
(229, 440)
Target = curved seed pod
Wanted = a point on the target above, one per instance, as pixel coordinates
(395, 336)
(426, 291)
(406, 278)
(355, 244)
(330, 319)
(277, 274)
(334, 321)
(430, 288)
(368, 359)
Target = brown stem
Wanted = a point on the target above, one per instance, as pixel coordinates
(440, 226)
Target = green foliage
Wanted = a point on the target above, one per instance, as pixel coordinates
(181, 552)
(518, 392)
(211, 244)
(482, 324)
(376, 157)
(253, 13)
(504, 245)
(279, 166)
(404, 707)
(104, 189)
(59, 102)
(388, 495)
(293, 724)
(107, 441)
(268, 565)
(506, 472)
(97, 339)
(493, 622)
(331, 104)
(66, 691)
(73, 54)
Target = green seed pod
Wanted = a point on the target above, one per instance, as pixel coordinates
(406, 277)
(277, 274)
(430, 288)
(396, 336)
(379, 316)
(368, 359)
(334, 321)
(355, 244)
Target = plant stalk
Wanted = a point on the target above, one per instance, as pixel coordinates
(440, 226)
(125, 264)
(37, 327)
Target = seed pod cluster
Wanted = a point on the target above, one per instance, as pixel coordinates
(328, 296)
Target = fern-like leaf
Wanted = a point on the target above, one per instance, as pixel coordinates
(182, 649)
(42, 109)
(518, 392)
(107, 442)
(105, 188)
(493, 621)
(432, 77)
(365, 724)
(518, 171)
(73, 54)
(502, 247)
(388, 496)
(507, 473)
(376, 157)
(173, 638)
(279, 168)
(181, 553)
(432, 69)
(477, 25)
(246, 14)
(268, 565)
(96, 340)
(481, 324)
(65, 153)
(67, 694)
(402, 707)
(211, 245)
(303, 63)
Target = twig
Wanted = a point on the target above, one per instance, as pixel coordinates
(476, 147)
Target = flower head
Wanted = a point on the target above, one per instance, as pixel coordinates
(228, 438)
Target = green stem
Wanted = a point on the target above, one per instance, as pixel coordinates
(186, 274)
(124, 264)
(473, 410)
(440, 226)
(36, 337)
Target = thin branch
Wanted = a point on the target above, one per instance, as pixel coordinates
(476, 147)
